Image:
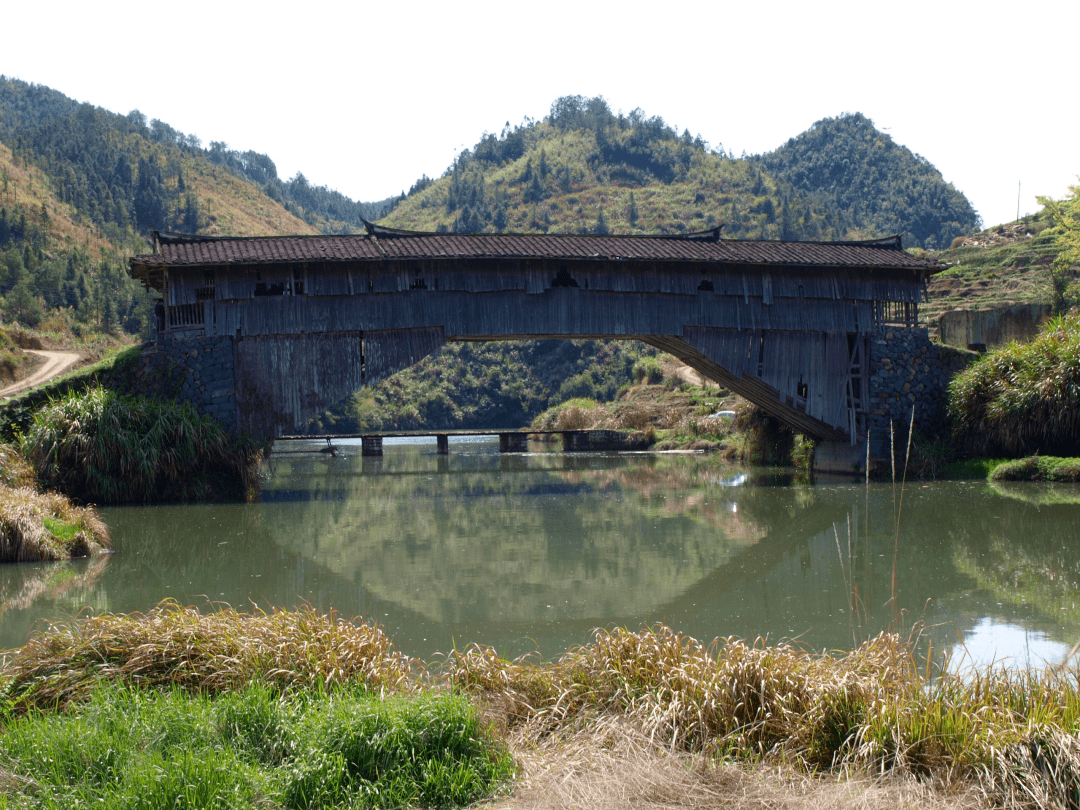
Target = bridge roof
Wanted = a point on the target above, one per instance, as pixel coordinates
(384, 244)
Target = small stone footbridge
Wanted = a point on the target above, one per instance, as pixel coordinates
(270, 331)
(510, 441)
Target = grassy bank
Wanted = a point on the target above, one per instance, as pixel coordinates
(1023, 398)
(1038, 468)
(41, 526)
(102, 447)
(46, 527)
(135, 748)
(290, 709)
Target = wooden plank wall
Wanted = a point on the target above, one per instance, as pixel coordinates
(535, 276)
(778, 334)
(785, 361)
(281, 382)
(557, 312)
(388, 352)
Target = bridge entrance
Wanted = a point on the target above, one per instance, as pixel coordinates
(276, 329)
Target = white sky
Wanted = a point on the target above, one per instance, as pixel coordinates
(366, 97)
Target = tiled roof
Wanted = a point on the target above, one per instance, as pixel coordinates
(175, 250)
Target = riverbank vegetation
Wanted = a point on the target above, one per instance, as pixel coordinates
(303, 709)
(46, 526)
(1022, 398)
(41, 526)
(670, 407)
(666, 416)
(99, 446)
(1051, 469)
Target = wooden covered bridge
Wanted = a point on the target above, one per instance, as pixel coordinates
(273, 330)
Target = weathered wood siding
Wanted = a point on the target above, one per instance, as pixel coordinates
(307, 336)
(799, 377)
(556, 312)
(239, 283)
(387, 353)
(282, 381)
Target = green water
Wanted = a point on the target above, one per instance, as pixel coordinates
(535, 551)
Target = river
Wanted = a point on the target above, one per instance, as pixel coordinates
(532, 552)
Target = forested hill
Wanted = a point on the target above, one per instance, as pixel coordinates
(107, 165)
(81, 187)
(847, 164)
(585, 168)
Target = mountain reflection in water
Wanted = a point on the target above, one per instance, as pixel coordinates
(537, 550)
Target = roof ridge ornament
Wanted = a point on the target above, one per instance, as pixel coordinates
(384, 231)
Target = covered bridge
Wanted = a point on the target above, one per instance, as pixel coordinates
(273, 330)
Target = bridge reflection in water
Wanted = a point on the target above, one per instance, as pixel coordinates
(524, 550)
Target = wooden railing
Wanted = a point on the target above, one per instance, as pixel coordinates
(186, 316)
(896, 313)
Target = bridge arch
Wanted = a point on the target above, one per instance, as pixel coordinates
(291, 325)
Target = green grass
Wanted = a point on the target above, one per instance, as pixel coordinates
(61, 529)
(136, 748)
(972, 469)
(1038, 468)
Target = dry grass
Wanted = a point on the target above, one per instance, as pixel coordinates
(742, 698)
(174, 646)
(575, 417)
(613, 764)
(873, 710)
(46, 526)
(15, 470)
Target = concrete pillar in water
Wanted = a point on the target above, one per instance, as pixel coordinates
(513, 442)
(371, 445)
(443, 443)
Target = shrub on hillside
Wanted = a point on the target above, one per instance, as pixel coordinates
(102, 447)
(1023, 399)
(648, 369)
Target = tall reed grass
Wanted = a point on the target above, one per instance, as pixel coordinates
(874, 709)
(15, 470)
(102, 447)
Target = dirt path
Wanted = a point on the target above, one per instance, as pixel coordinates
(693, 377)
(56, 363)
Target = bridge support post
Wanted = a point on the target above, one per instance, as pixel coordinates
(371, 445)
(513, 442)
(442, 441)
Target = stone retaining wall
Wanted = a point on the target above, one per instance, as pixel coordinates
(908, 370)
(198, 371)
